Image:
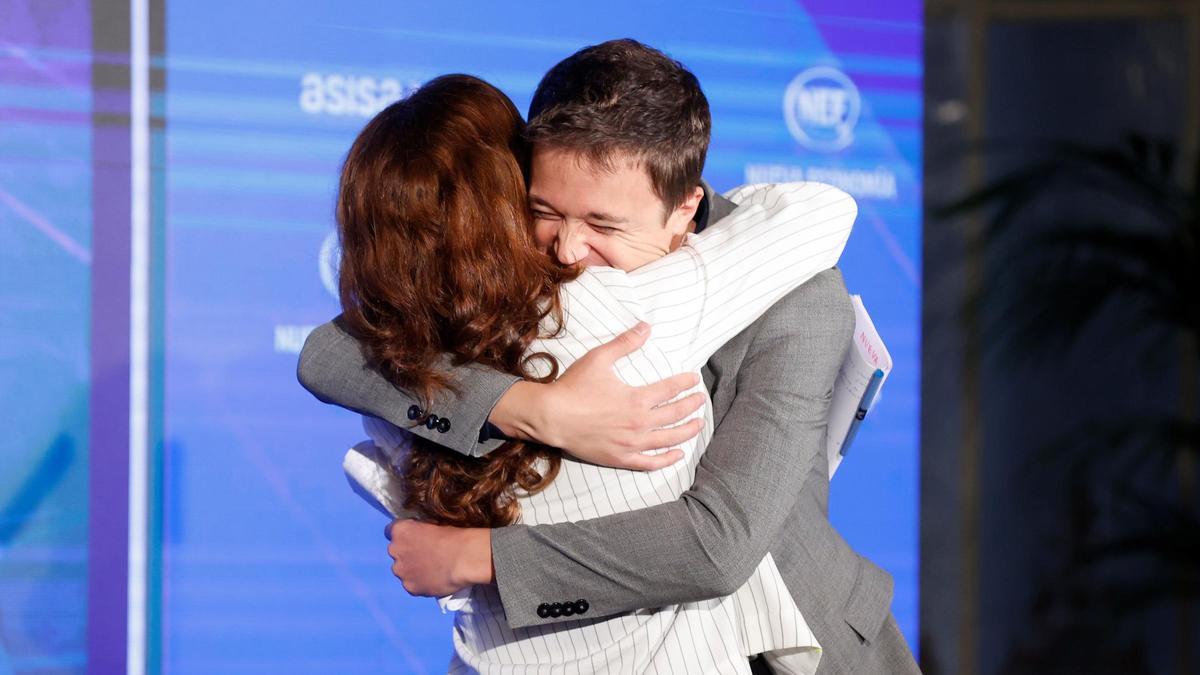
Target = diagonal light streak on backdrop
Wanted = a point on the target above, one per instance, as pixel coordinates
(21, 53)
(279, 484)
(906, 265)
(64, 240)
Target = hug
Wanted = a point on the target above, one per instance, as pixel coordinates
(598, 391)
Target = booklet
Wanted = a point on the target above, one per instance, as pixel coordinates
(857, 386)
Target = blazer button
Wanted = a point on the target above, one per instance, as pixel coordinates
(543, 611)
(443, 425)
(414, 412)
(431, 422)
(581, 606)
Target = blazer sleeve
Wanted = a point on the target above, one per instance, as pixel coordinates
(333, 368)
(708, 542)
(725, 278)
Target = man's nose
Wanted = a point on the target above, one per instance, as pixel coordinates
(571, 246)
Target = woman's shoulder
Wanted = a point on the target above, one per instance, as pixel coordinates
(775, 196)
(595, 278)
(598, 287)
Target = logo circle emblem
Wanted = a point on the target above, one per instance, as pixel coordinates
(328, 262)
(821, 108)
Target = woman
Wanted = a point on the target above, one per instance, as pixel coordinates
(438, 259)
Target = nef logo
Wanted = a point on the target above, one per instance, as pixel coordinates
(821, 108)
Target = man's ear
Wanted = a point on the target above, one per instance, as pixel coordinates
(683, 214)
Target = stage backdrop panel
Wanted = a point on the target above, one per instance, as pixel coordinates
(269, 562)
(45, 308)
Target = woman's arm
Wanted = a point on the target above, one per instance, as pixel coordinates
(722, 280)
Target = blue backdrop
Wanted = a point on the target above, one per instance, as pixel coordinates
(265, 561)
(45, 300)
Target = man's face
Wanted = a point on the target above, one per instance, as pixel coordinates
(595, 216)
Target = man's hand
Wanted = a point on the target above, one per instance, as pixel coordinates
(592, 414)
(433, 560)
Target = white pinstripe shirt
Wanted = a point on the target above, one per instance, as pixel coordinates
(695, 298)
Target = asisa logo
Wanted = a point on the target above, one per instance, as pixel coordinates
(821, 107)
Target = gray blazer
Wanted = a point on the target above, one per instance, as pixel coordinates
(759, 488)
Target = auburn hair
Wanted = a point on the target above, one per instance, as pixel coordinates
(438, 263)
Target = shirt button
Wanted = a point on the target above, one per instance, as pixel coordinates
(431, 422)
(414, 411)
(443, 425)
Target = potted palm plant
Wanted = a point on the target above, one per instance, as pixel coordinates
(1101, 245)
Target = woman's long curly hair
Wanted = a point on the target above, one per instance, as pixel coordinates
(438, 260)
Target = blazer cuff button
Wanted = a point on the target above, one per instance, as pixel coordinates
(443, 425)
(543, 611)
(581, 606)
(414, 412)
(431, 422)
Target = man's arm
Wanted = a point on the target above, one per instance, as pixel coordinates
(333, 368)
(707, 543)
(610, 423)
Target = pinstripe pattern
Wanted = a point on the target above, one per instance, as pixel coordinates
(696, 299)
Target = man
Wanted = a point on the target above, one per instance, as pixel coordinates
(620, 134)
